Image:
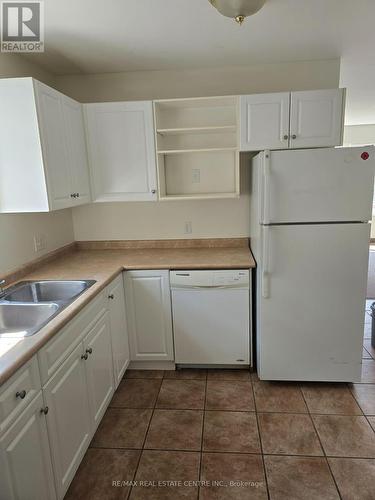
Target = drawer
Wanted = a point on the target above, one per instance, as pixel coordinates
(11, 401)
(54, 353)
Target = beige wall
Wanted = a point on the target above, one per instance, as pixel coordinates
(17, 231)
(138, 85)
(13, 65)
(358, 135)
(211, 218)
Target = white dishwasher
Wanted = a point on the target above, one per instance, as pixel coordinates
(211, 317)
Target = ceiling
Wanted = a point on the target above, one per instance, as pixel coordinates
(92, 36)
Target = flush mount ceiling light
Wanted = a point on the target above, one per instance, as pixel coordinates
(238, 9)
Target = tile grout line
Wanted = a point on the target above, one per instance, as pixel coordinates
(220, 452)
(202, 434)
(257, 413)
(321, 444)
(260, 440)
(144, 439)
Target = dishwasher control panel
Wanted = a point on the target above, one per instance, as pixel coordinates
(232, 278)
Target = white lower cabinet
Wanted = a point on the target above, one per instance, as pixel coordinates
(25, 463)
(47, 421)
(68, 419)
(99, 369)
(77, 397)
(119, 328)
(148, 308)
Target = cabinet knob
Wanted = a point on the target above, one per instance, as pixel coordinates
(73, 195)
(77, 195)
(21, 394)
(84, 356)
(153, 191)
(89, 350)
(294, 136)
(286, 137)
(44, 410)
(111, 297)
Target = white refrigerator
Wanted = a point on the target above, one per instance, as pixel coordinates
(310, 231)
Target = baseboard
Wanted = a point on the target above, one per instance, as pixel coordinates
(152, 365)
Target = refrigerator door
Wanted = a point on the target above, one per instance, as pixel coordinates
(317, 185)
(311, 302)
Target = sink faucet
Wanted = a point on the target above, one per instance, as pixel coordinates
(2, 283)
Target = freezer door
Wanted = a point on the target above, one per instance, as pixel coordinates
(317, 185)
(311, 302)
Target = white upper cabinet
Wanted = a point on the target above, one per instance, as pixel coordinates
(43, 161)
(308, 119)
(121, 149)
(77, 153)
(317, 118)
(264, 121)
(148, 307)
(54, 145)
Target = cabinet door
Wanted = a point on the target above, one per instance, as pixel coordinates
(54, 146)
(119, 329)
(99, 369)
(121, 149)
(148, 308)
(75, 133)
(68, 419)
(316, 118)
(264, 121)
(25, 461)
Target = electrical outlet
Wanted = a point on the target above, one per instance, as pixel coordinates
(40, 242)
(195, 175)
(188, 227)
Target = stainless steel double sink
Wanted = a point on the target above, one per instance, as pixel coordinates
(29, 305)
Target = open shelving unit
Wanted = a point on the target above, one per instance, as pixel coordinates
(197, 142)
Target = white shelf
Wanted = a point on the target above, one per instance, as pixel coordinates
(197, 130)
(203, 150)
(200, 196)
(197, 148)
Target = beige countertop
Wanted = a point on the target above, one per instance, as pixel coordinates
(103, 266)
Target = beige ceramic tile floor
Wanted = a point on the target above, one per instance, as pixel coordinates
(224, 434)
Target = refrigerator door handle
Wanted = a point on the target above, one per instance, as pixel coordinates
(265, 270)
(266, 187)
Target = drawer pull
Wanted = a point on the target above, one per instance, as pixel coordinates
(84, 356)
(111, 296)
(21, 394)
(44, 410)
(89, 350)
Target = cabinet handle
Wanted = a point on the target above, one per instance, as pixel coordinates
(153, 191)
(73, 195)
(84, 356)
(21, 394)
(77, 195)
(111, 296)
(89, 350)
(286, 137)
(44, 410)
(294, 136)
